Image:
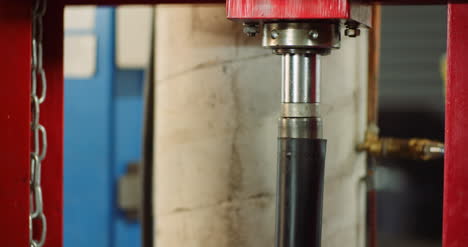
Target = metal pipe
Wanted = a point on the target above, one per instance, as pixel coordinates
(372, 112)
(391, 147)
(300, 192)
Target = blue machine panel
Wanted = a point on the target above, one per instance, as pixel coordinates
(103, 127)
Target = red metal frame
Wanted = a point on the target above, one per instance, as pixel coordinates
(15, 70)
(121, 2)
(455, 232)
(15, 61)
(15, 26)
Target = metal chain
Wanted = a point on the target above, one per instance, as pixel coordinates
(39, 133)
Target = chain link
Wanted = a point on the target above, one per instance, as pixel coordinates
(39, 133)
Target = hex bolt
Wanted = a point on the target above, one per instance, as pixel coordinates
(313, 34)
(251, 29)
(274, 34)
(352, 30)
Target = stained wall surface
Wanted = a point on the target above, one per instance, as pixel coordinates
(217, 105)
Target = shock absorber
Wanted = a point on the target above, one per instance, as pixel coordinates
(301, 148)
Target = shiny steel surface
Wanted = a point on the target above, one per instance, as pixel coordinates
(300, 128)
(301, 35)
(300, 80)
(291, 110)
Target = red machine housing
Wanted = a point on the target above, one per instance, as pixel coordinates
(255, 10)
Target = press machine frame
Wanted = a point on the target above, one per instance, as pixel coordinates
(15, 65)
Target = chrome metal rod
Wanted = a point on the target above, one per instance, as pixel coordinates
(300, 80)
(301, 154)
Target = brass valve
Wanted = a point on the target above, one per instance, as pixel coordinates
(389, 147)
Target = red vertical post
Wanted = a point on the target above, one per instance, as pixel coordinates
(52, 119)
(455, 233)
(15, 67)
(15, 132)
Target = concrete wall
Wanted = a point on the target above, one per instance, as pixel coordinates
(216, 125)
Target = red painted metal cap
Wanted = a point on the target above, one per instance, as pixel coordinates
(257, 10)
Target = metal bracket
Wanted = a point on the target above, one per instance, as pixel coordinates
(129, 192)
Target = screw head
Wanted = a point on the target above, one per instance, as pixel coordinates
(274, 34)
(313, 34)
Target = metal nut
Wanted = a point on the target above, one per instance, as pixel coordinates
(251, 29)
(352, 32)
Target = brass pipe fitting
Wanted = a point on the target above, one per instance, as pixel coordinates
(390, 147)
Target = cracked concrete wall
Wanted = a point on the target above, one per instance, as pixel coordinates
(217, 105)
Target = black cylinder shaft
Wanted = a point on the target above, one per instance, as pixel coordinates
(300, 192)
